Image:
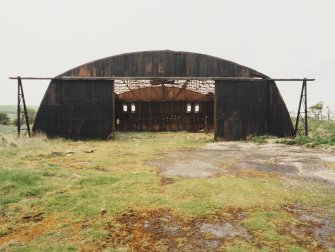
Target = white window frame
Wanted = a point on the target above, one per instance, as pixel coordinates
(132, 107)
(196, 108)
(124, 107)
(189, 108)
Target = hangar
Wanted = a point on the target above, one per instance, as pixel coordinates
(163, 91)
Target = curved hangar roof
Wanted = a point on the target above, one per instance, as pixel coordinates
(162, 64)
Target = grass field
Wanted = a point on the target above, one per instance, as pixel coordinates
(52, 192)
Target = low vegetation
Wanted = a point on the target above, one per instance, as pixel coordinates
(8, 115)
(61, 195)
(4, 119)
(321, 133)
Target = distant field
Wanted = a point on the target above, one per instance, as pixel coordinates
(11, 110)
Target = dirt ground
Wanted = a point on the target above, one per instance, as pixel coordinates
(179, 234)
(231, 157)
(289, 163)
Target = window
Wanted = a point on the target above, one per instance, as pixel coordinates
(133, 108)
(124, 107)
(196, 108)
(188, 108)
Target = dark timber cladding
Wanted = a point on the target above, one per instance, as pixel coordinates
(73, 109)
(83, 108)
(244, 108)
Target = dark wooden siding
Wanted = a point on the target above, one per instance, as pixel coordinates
(77, 109)
(244, 108)
(280, 123)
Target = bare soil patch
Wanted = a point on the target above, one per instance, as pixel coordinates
(231, 157)
(163, 230)
(311, 227)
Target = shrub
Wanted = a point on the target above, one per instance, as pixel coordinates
(4, 119)
(31, 116)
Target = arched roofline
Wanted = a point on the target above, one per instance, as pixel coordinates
(254, 72)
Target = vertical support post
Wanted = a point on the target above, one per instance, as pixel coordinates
(113, 104)
(215, 113)
(150, 116)
(268, 109)
(303, 99)
(306, 117)
(18, 107)
(25, 108)
(20, 97)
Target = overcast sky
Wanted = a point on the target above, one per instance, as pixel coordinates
(282, 39)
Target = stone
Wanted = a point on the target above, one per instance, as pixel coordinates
(103, 211)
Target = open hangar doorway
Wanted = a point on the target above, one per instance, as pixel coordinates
(164, 105)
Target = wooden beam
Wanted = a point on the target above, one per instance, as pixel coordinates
(158, 78)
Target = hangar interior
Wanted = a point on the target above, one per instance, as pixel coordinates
(164, 105)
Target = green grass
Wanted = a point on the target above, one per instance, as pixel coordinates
(69, 188)
(321, 133)
(18, 184)
(260, 139)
